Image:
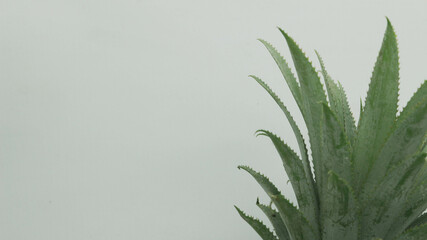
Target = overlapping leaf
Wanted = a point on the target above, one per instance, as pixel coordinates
(340, 210)
(296, 130)
(406, 139)
(370, 181)
(415, 204)
(286, 72)
(276, 221)
(336, 149)
(302, 186)
(380, 109)
(419, 221)
(258, 226)
(390, 200)
(297, 225)
(339, 103)
(312, 94)
(417, 233)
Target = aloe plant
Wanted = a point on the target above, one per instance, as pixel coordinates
(369, 181)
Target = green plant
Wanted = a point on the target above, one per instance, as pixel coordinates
(370, 179)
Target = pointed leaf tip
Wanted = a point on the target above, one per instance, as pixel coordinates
(388, 21)
(262, 230)
(261, 132)
(287, 37)
(380, 108)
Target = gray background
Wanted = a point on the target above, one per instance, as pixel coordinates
(127, 119)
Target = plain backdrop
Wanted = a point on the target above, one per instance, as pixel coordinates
(127, 119)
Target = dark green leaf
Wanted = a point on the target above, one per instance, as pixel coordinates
(417, 233)
(419, 221)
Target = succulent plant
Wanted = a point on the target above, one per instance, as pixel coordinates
(362, 182)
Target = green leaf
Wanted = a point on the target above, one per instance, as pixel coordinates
(263, 181)
(388, 203)
(335, 146)
(360, 115)
(297, 132)
(418, 97)
(286, 72)
(380, 108)
(258, 226)
(405, 140)
(339, 103)
(417, 233)
(340, 210)
(424, 147)
(419, 221)
(276, 221)
(415, 204)
(297, 225)
(312, 94)
(302, 186)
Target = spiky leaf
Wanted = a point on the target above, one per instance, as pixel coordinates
(335, 146)
(416, 99)
(302, 186)
(296, 130)
(312, 94)
(297, 225)
(380, 107)
(286, 72)
(339, 103)
(258, 226)
(275, 219)
(405, 140)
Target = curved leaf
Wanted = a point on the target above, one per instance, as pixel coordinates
(276, 221)
(302, 186)
(286, 72)
(294, 126)
(297, 225)
(258, 226)
(312, 94)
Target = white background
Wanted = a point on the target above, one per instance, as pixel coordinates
(126, 119)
